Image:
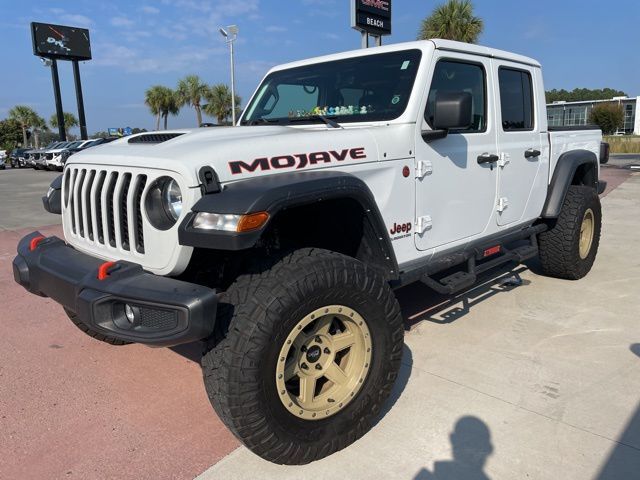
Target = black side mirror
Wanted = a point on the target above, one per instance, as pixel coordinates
(452, 110)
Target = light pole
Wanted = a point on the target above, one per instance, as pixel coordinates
(230, 35)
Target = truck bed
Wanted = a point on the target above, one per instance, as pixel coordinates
(564, 139)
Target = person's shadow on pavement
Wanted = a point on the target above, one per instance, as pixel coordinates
(471, 445)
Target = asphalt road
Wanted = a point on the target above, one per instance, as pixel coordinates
(623, 160)
(537, 381)
(21, 191)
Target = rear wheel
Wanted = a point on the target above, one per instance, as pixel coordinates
(569, 248)
(312, 350)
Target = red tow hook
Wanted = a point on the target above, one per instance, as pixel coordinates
(34, 242)
(103, 270)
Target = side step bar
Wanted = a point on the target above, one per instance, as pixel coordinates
(464, 279)
(471, 256)
(461, 280)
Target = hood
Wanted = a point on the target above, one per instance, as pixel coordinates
(240, 152)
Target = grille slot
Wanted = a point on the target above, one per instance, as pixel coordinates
(139, 232)
(97, 201)
(124, 219)
(104, 207)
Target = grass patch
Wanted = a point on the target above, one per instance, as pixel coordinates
(623, 144)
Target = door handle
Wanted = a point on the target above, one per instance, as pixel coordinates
(487, 158)
(531, 153)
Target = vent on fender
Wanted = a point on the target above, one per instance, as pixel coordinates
(154, 137)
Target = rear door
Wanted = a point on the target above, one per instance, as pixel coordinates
(520, 143)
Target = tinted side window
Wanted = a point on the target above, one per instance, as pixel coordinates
(516, 99)
(454, 76)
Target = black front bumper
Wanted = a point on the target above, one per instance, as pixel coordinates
(166, 311)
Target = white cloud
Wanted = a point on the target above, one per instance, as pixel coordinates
(130, 60)
(122, 22)
(332, 36)
(76, 20)
(150, 10)
(172, 33)
(275, 29)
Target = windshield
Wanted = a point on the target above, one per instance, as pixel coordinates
(361, 89)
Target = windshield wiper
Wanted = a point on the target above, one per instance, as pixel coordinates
(258, 120)
(327, 120)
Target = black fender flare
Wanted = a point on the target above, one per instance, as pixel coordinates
(52, 201)
(563, 175)
(275, 193)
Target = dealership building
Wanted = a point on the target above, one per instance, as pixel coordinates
(566, 114)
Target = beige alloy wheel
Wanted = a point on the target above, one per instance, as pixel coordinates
(323, 362)
(586, 234)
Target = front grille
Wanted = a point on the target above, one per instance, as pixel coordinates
(49, 156)
(105, 206)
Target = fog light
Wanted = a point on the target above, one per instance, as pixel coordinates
(131, 313)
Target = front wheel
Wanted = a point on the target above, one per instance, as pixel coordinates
(311, 353)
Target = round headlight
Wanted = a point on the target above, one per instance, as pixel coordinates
(172, 198)
(163, 203)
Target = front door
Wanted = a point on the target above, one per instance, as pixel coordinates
(455, 193)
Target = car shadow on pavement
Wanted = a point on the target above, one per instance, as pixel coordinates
(190, 351)
(418, 302)
(400, 384)
(470, 446)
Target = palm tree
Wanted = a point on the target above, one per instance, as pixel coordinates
(190, 92)
(70, 121)
(169, 103)
(39, 125)
(219, 106)
(453, 20)
(153, 99)
(26, 117)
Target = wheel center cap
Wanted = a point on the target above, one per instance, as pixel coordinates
(313, 354)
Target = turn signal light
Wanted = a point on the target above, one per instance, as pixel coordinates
(252, 221)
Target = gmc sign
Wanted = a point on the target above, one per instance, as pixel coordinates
(371, 16)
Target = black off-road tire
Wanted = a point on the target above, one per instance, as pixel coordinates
(258, 312)
(92, 333)
(560, 245)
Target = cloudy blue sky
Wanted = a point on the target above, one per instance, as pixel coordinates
(136, 44)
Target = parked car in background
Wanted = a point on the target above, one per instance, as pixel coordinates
(3, 159)
(34, 158)
(56, 157)
(16, 158)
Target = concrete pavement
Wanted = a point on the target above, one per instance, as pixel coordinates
(538, 381)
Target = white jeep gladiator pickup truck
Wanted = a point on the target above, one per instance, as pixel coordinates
(279, 242)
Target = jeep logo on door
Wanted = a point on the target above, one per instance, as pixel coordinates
(297, 160)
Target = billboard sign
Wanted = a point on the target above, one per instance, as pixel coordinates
(61, 42)
(371, 16)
